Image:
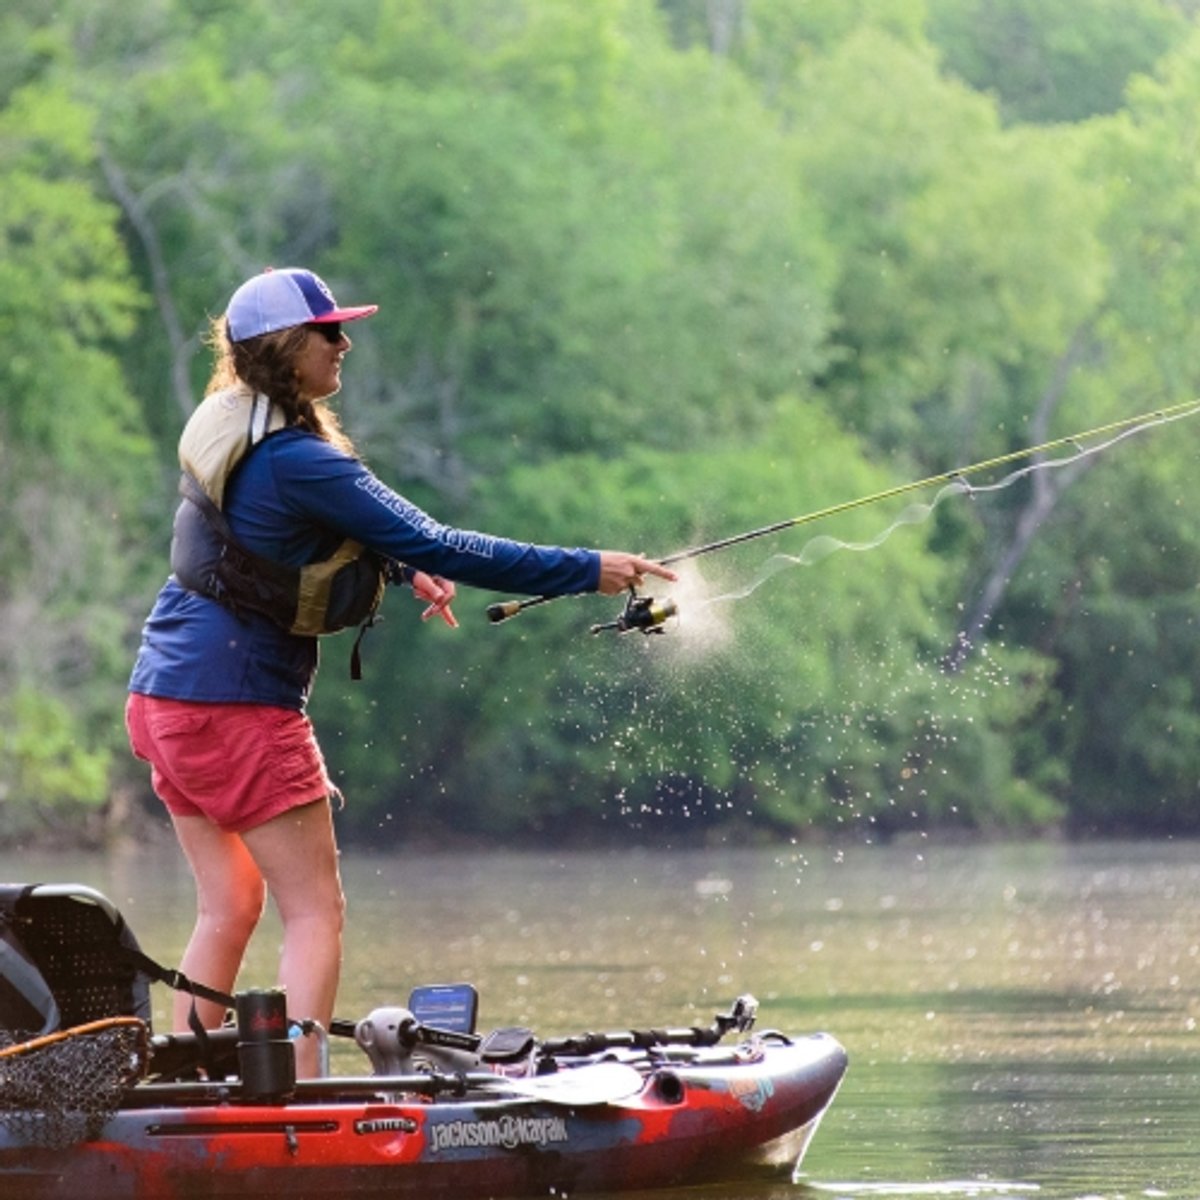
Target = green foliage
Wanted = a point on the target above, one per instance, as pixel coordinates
(66, 301)
(589, 244)
(771, 40)
(64, 290)
(46, 777)
(969, 252)
(1053, 60)
(1144, 157)
(1135, 757)
(650, 274)
(1110, 593)
(1109, 588)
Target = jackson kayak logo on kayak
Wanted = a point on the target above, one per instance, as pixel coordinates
(508, 1132)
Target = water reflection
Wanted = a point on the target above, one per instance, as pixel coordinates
(1019, 1018)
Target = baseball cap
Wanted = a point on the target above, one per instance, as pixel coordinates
(284, 298)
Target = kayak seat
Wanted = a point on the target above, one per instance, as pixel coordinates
(64, 960)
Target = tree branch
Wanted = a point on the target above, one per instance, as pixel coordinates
(1046, 491)
(135, 212)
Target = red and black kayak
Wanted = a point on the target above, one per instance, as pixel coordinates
(443, 1112)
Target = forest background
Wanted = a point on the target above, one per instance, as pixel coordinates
(650, 274)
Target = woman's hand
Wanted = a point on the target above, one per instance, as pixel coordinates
(619, 571)
(438, 593)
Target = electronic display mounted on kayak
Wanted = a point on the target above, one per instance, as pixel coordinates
(449, 1006)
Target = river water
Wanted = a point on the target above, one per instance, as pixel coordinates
(1021, 1019)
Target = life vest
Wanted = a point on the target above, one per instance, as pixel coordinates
(320, 598)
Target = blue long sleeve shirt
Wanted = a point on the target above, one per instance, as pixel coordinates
(293, 499)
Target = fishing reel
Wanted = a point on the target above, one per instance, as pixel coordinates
(645, 613)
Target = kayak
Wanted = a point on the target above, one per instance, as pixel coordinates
(351, 1138)
(108, 1110)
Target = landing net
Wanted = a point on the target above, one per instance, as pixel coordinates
(61, 1089)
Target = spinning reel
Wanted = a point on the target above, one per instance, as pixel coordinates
(645, 613)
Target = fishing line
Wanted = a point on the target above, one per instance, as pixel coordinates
(818, 548)
(1129, 426)
(822, 546)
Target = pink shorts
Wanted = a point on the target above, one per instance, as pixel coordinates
(236, 764)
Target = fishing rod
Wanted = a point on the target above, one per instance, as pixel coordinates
(648, 614)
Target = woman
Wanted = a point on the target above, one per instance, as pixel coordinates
(218, 691)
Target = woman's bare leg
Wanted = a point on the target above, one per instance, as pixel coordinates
(297, 855)
(230, 895)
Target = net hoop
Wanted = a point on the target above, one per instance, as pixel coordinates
(61, 1089)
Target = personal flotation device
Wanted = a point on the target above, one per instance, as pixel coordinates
(316, 599)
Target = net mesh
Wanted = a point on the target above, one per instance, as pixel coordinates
(59, 1090)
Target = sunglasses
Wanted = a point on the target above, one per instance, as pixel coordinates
(331, 331)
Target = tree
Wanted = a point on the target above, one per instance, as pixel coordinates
(1115, 584)
(773, 40)
(595, 240)
(1054, 60)
(66, 298)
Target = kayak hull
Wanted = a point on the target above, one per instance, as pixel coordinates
(691, 1122)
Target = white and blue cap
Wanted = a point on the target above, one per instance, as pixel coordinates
(281, 299)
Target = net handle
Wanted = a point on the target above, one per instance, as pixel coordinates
(63, 1035)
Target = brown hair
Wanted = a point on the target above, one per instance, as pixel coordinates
(266, 364)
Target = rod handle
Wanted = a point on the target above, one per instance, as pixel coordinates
(503, 610)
